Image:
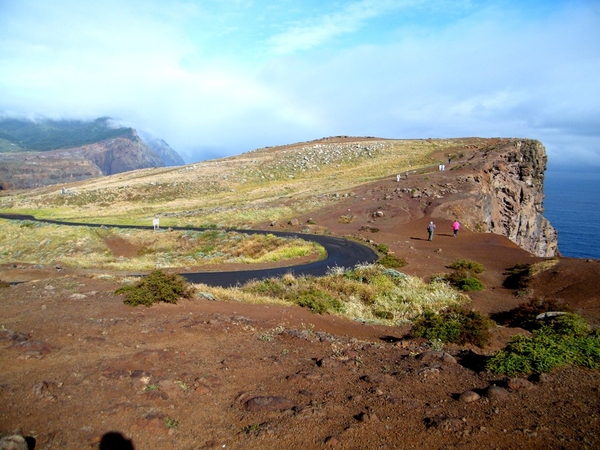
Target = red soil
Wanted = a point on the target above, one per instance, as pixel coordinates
(205, 374)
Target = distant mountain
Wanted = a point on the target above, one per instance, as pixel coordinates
(40, 153)
(169, 156)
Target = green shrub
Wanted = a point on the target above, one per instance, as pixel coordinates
(563, 340)
(383, 249)
(318, 302)
(467, 265)
(158, 286)
(569, 325)
(470, 284)
(453, 325)
(392, 262)
(463, 278)
(464, 281)
(272, 287)
(436, 327)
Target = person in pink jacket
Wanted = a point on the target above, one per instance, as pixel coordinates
(455, 227)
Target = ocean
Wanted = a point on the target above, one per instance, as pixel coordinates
(572, 205)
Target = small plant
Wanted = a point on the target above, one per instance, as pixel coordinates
(158, 286)
(563, 340)
(151, 387)
(437, 345)
(469, 284)
(467, 265)
(254, 428)
(463, 276)
(392, 262)
(267, 337)
(453, 325)
(182, 385)
(171, 423)
(383, 249)
(517, 277)
(318, 301)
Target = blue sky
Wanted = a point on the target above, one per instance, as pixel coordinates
(216, 78)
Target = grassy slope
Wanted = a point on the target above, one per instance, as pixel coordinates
(258, 186)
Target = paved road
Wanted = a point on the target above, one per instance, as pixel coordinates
(340, 252)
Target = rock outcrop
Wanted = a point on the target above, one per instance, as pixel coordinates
(505, 195)
(513, 203)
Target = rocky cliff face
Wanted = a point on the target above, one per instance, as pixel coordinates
(505, 195)
(23, 170)
(513, 201)
(44, 152)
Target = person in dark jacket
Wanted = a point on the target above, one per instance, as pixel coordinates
(430, 230)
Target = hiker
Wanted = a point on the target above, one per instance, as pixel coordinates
(156, 223)
(455, 227)
(430, 230)
(398, 177)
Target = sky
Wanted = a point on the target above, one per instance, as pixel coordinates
(215, 78)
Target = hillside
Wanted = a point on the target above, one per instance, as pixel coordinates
(45, 152)
(500, 184)
(81, 369)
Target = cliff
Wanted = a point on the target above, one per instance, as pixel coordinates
(31, 156)
(45, 152)
(24, 170)
(505, 195)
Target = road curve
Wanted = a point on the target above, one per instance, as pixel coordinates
(340, 252)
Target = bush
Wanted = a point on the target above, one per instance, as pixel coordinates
(467, 265)
(464, 281)
(392, 262)
(470, 284)
(564, 340)
(318, 301)
(158, 286)
(454, 325)
(383, 249)
(272, 287)
(463, 277)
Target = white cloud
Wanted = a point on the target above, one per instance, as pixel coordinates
(315, 31)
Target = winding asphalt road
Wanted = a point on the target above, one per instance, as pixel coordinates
(340, 253)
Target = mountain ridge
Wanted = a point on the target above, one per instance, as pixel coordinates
(46, 152)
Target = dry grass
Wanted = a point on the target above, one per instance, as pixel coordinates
(542, 266)
(367, 293)
(255, 187)
(86, 247)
